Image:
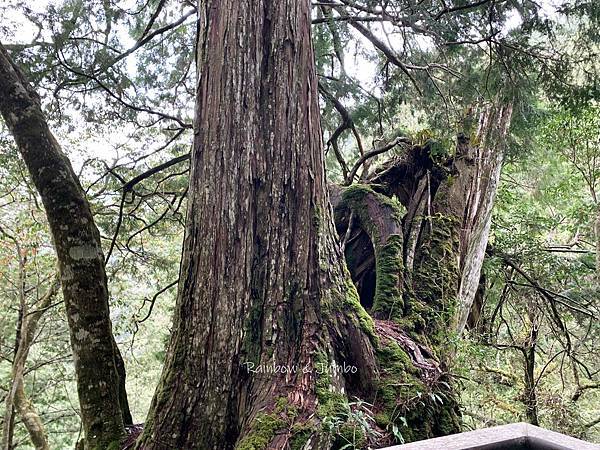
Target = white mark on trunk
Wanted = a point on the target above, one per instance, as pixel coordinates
(83, 252)
(81, 334)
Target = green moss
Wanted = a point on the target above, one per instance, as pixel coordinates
(281, 419)
(447, 422)
(323, 382)
(388, 250)
(317, 219)
(407, 402)
(436, 279)
(383, 419)
(414, 320)
(351, 303)
(333, 406)
(331, 402)
(395, 359)
(389, 268)
(282, 406)
(301, 433)
(354, 196)
(356, 192)
(401, 394)
(262, 432)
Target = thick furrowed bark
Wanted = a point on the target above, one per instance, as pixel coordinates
(81, 262)
(263, 283)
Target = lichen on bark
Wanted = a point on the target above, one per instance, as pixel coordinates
(76, 240)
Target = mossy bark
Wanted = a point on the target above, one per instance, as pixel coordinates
(417, 204)
(381, 218)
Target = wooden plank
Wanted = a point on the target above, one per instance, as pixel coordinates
(516, 436)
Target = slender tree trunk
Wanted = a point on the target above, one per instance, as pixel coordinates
(597, 235)
(487, 155)
(9, 413)
(263, 283)
(17, 396)
(81, 262)
(529, 349)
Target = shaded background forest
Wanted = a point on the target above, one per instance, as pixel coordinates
(117, 81)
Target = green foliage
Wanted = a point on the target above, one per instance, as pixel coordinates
(351, 426)
(543, 219)
(119, 110)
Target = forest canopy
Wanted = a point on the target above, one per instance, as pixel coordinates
(294, 224)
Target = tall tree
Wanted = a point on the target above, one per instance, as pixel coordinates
(488, 156)
(263, 281)
(98, 363)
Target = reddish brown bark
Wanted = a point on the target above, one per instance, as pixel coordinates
(262, 278)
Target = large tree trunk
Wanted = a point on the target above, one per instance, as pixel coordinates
(263, 283)
(81, 262)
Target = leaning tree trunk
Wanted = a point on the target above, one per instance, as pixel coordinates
(100, 383)
(487, 156)
(17, 397)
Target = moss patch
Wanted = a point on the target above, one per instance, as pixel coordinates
(351, 303)
(399, 379)
(388, 249)
(405, 402)
(435, 280)
(264, 428)
(330, 401)
(389, 268)
(301, 433)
